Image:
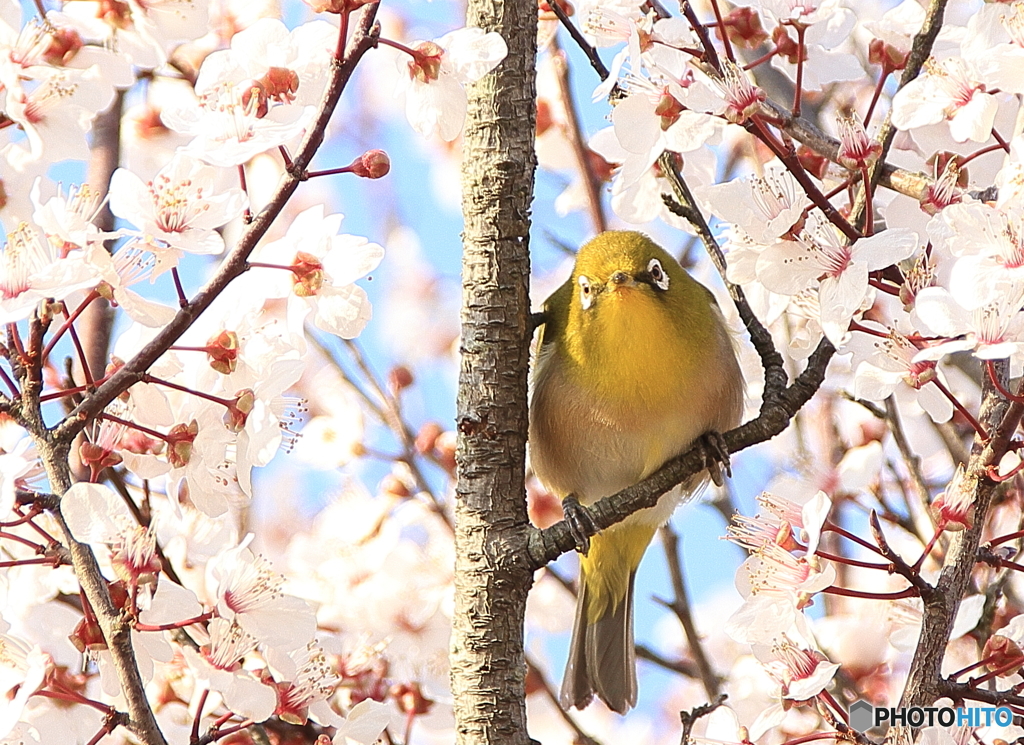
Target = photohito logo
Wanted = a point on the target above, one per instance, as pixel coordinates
(864, 716)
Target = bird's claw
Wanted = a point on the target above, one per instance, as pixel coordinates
(581, 524)
(714, 454)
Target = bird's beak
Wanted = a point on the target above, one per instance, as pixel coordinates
(621, 280)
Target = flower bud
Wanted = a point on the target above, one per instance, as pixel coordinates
(427, 437)
(399, 378)
(371, 164)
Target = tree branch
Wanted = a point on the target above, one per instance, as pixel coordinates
(924, 680)
(680, 605)
(363, 39)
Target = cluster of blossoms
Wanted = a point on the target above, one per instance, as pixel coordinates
(141, 526)
(918, 289)
(127, 476)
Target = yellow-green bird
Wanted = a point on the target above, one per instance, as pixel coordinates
(634, 364)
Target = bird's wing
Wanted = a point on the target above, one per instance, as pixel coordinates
(556, 315)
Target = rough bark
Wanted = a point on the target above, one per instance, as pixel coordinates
(491, 579)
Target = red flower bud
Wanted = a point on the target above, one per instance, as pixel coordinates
(371, 164)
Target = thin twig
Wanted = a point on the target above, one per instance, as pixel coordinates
(583, 44)
(682, 667)
(686, 207)
(920, 50)
(394, 420)
(689, 718)
(533, 669)
(899, 566)
(574, 132)
(923, 524)
(680, 605)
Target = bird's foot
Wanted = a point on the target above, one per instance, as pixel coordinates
(581, 524)
(715, 455)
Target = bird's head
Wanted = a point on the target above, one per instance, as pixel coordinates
(622, 265)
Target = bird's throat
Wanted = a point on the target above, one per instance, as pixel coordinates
(636, 355)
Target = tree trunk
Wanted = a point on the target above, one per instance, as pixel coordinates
(491, 584)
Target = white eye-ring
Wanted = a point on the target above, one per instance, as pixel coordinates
(586, 295)
(658, 275)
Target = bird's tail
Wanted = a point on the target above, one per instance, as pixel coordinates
(602, 658)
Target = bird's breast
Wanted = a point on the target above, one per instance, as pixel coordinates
(613, 403)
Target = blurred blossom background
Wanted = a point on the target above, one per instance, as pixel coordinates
(348, 526)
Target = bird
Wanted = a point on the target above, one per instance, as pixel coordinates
(635, 364)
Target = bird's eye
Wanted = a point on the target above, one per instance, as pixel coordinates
(586, 296)
(658, 275)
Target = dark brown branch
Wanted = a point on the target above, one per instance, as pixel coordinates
(924, 680)
(965, 692)
(96, 322)
(583, 44)
(923, 525)
(487, 660)
(55, 445)
(899, 566)
(682, 667)
(689, 718)
(909, 183)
